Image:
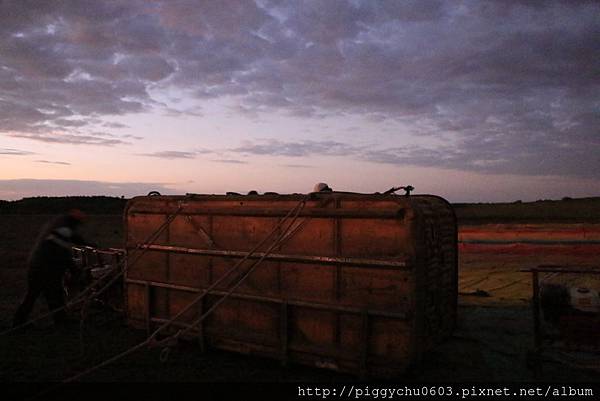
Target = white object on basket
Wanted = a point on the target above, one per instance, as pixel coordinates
(585, 299)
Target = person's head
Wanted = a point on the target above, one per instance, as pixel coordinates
(322, 187)
(75, 218)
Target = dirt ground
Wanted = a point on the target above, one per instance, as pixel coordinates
(494, 332)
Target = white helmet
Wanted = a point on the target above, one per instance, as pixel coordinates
(321, 187)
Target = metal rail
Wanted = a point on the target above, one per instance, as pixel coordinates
(529, 242)
(279, 257)
(311, 212)
(259, 298)
(561, 269)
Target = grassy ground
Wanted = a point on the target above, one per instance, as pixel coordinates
(585, 210)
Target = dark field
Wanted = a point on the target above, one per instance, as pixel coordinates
(584, 210)
(493, 336)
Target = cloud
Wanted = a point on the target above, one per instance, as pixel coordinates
(177, 154)
(171, 154)
(20, 188)
(15, 152)
(297, 166)
(63, 122)
(512, 84)
(229, 161)
(114, 125)
(53, 162)
(73, 139)
(74, 59)
(482, 157)
(129, 136)
(274, 147)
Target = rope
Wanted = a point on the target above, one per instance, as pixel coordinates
(151, 339)
(149, 241)
(201, 232)
(295, 210)
(232, 289)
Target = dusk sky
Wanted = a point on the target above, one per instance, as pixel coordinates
(471, 100)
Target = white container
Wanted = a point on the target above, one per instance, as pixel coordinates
(585, 299)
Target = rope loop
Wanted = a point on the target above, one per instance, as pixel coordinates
(164, 354)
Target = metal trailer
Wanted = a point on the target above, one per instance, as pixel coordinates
(359, 283)
(575, 341)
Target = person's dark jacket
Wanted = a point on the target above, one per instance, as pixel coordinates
(52, 256)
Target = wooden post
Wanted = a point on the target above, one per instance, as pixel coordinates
(337, 284)
(148, 309)
(537, 332)
(121, 260)
(201, 341)
(283, 335)
(279, 268)
(364, 347)
(168, 267)
(211, 233)
(536, 310)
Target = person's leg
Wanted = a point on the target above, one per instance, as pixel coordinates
(55, 297)
(34, 289)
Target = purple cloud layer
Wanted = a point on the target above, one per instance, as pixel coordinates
(53, 162)
(15, 152)
(171, 154)
(514, 83)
